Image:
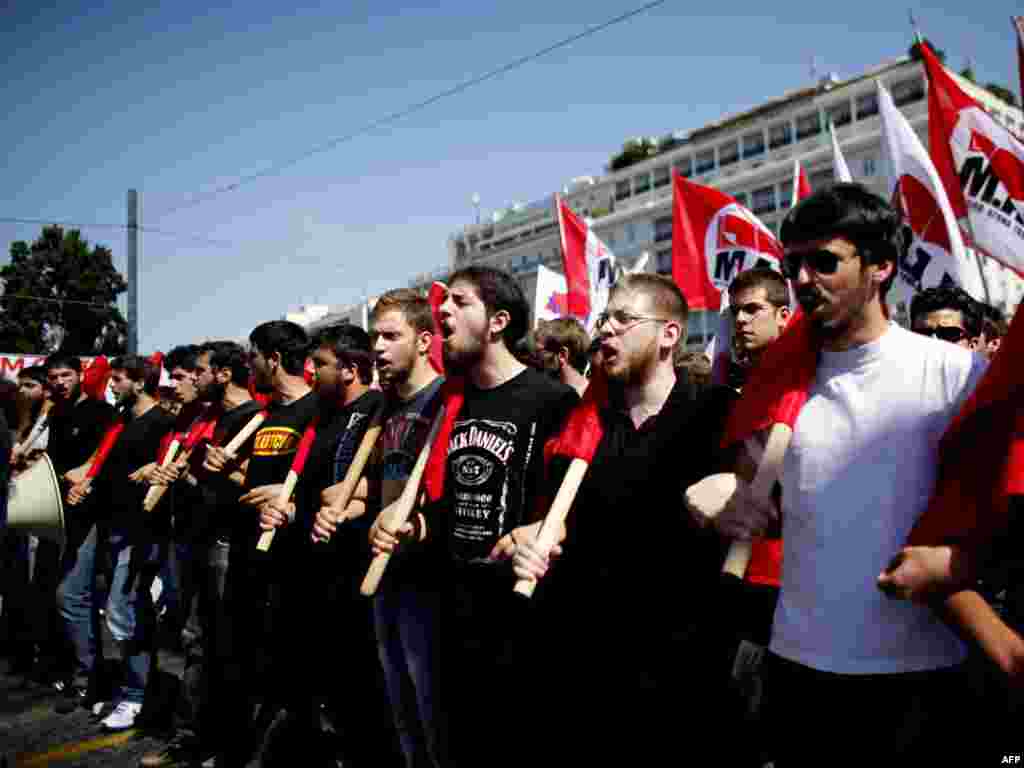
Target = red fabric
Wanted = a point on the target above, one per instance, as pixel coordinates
(263, 398)
(777, 388)
(801, 185)
(765, 562)
(302, 452)
(105, 447)
(981, 460)
(436, 295)
(583, 430)
(573, 232)
(95, 378)
(309, 371)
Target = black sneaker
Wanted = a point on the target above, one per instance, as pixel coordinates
(75, 696)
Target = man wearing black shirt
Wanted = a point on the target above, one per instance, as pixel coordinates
(635, 570)
(77, 424)
(494, 481)
(129, 535)
(205, 505)
(324, 578)
(277, 357)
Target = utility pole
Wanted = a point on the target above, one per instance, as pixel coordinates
(132, 267)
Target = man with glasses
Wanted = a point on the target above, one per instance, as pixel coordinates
(636, 575)
(948, 313)
(844, 659)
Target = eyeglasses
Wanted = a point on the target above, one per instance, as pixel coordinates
(624, 320)
(954, 334)
(822, 262)
(750, 310)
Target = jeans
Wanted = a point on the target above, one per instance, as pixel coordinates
(407, 621)
(130, 615)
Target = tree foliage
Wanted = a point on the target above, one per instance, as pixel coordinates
(915, 53)
(63, 269)
(633, 151)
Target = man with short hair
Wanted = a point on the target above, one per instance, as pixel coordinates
(494, 481)
(406, 607)
(948, 313)
(858, 473)
(638, 604)
(759, 305)
(77, 424)
(561, 351)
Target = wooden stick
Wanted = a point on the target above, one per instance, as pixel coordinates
(156, 492)
(246, 432)
(355, 469)
(399, 511)
(267, 537)
(769, 470)
(556, 516)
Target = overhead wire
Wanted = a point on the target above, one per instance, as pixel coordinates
(141, 228)
(282, 165)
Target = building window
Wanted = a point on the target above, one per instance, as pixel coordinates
(741, 198)
(821, 178)
(705, 161)
(664, 261)
(780, 135)
(622, 190)
(728, 154)
(661, 176)
(684, 166)
(763, 200)
(753, 145)
(867, 105)
(907, 91)
(870, 167)
(663, 229)
(808, 125)
(839, 114)
(785, 194)
(641, 183)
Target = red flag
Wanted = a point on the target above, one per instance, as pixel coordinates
(452, 396)
(981, 165)
(714, 238)
(981, 456)
(801, 186)
(95, 378)
(436, 296)
(105, 447)
(588, 264)
(305, 444)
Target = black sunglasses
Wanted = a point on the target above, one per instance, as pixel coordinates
(954, 334)
(822, 262)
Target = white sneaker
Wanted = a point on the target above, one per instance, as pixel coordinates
(122, 717)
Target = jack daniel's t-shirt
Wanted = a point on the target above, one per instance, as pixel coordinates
(496, 460)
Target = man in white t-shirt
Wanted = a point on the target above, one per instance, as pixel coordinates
(871, 677)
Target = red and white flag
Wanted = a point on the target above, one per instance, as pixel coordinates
(936, 253)
(589, 266)
(714, 238)
(551, 298)
(981, 165)
(801, 186)
(840, 170)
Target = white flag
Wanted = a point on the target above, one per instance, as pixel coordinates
(552, 297)
(840, 169)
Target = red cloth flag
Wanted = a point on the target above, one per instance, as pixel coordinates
(305, 444)
(588, 264)
(981, 456)
(801, 186)
(95, 378)
(981, 165)
(105, 447)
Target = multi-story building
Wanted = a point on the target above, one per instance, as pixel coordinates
(749, 155)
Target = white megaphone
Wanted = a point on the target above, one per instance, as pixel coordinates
(34, 504)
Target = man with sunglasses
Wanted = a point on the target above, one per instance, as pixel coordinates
(948, 313)
(636, 575)
(845, 659)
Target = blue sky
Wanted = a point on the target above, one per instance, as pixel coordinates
(177, 99)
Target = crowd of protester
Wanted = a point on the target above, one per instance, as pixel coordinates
(635, 645)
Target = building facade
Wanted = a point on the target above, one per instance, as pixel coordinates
(749, 156)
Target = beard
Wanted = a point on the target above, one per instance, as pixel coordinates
(632, 368)
(213, 393)
(462, 359)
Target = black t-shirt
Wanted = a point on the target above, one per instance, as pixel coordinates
(631, 548)
(495, 466)
(76, 431)
(119, 500)
(207, 511)
(273, 450)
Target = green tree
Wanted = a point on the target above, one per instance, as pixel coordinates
(80, 287)
(633, 151)
(915, 54)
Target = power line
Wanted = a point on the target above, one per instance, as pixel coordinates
(53, 301)
(276, 168)
(147, 229)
